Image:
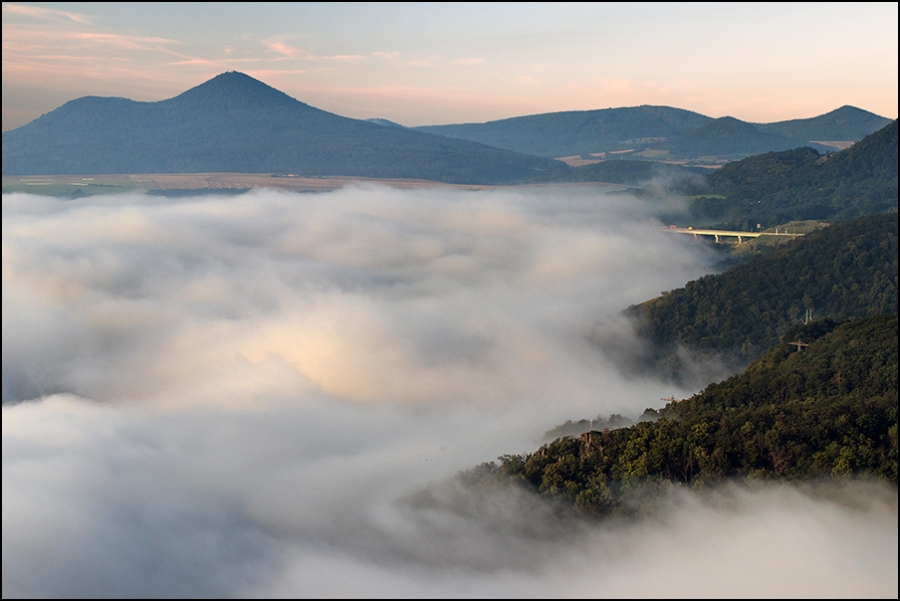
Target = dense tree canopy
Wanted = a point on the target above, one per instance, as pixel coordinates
(845, 271)
(824, 410)
(777, 187)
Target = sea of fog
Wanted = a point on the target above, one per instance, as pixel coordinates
(243, 397)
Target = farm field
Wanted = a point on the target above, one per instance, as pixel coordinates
(86, 185)
(76, 185)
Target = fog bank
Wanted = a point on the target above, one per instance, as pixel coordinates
(243, 396)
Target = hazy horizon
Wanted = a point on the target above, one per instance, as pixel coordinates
(434, 63)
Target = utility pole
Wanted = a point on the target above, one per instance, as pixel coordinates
(800, 345)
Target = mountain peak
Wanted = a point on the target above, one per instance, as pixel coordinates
(234, 90)
(848, 109)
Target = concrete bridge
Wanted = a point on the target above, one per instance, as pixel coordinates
(726, 233)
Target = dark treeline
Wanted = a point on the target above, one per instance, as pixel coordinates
(825, 410)
(621, 171)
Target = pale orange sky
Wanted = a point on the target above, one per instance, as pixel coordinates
(421, 64)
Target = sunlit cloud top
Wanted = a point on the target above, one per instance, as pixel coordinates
(246, 396)
(434, 63)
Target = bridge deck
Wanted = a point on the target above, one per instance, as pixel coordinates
(726, 233)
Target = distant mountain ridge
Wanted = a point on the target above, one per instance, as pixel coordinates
(575, 132)
(234, 123)
(660, 131)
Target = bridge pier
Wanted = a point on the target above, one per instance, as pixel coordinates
(722, 234)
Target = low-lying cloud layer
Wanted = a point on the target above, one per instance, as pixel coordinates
(245, 396)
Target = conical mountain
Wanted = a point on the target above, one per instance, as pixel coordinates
(233, 90)
(235, 123)
(846, 123)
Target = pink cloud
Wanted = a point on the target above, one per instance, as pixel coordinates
(123, 41)
(295, 52)
(40, 12)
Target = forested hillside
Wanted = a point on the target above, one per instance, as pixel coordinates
(826, 410)
(816, 319)
(621, 171)
(845, 271)
(799, 184)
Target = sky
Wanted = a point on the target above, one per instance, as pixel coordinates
(437, 63)
(268, 395)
